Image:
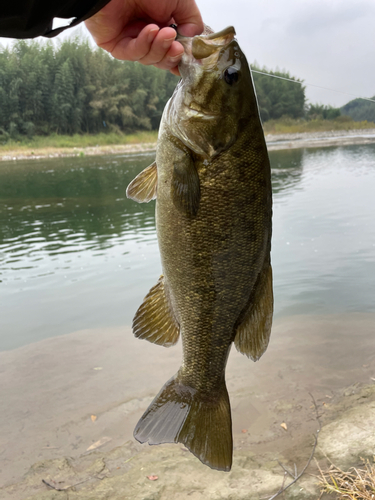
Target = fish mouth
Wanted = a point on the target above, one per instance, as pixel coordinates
(201, 53)
(204, 46)
(205, 49)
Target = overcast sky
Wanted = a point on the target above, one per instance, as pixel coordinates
(330, 43)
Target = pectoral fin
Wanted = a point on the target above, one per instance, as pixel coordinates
(143, 188)
(254, 332)
(154, 321)
(186, 187)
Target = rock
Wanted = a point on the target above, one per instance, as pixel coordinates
(351, 435)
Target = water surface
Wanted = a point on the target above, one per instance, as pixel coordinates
(76, 254)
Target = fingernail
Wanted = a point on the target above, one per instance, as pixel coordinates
(175, 59)
(168, 41)
(152, 34)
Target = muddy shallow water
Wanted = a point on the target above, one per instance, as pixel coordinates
(55, 388)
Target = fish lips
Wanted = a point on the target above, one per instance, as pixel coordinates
(203, 50)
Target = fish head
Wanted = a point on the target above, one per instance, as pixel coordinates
(212, 99)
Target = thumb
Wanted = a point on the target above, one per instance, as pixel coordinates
(188, 18)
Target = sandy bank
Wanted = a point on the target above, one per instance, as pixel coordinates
(88, 389)
(274, 142)
(320, 139)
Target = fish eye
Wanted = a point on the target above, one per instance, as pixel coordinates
(231, 75)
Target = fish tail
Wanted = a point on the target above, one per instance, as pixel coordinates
(180, 414)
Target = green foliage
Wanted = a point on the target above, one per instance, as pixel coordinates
(322, 112)
(73, 89)
(359, 109)
(77, 141)
(277, 97)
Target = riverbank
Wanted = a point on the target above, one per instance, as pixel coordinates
(72, 402)
(51, 152)
(320, 139)
(274, 142)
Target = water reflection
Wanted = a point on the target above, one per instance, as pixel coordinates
(324, 234)
(68, 239)
(78, 196)
(287, 166)
(75, 253)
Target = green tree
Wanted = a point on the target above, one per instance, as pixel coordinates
(322, 112)
(64, 99)
(278, 97)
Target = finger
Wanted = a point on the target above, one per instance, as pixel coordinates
(172, 58)
(175, 71)
(161, 46)
(134, 48)
(188, 18)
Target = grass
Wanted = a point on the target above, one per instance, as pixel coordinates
(294, 126)
(76, 141)
(66, 144)
(355, 484)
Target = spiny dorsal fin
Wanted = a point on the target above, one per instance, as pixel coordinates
(143, 188)
(186, 187)
(155, 321)
(253, 334)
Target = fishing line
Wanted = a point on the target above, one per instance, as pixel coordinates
(311, 85)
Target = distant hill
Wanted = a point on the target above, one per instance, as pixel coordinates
(360, 110)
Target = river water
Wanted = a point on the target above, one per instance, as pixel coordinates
(76, 259)
(75, 253)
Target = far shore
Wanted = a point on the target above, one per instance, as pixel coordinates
(274, 142)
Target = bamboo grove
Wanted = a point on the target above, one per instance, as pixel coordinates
(71, 88)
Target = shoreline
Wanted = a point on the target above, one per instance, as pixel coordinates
(320, 139)
(71, 424)
(274, 142)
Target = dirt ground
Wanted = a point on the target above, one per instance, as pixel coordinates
(69, 406)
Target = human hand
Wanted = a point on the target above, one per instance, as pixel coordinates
(137, 30)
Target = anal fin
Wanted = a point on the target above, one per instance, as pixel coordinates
(154, 320)
(143, 188)
(254, 331)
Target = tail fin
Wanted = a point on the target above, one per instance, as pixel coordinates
(179, 414)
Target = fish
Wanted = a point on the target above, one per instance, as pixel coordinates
(212, 184)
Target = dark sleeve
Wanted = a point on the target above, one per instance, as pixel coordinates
(32, 18)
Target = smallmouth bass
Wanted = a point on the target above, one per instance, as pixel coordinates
(212, 184)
